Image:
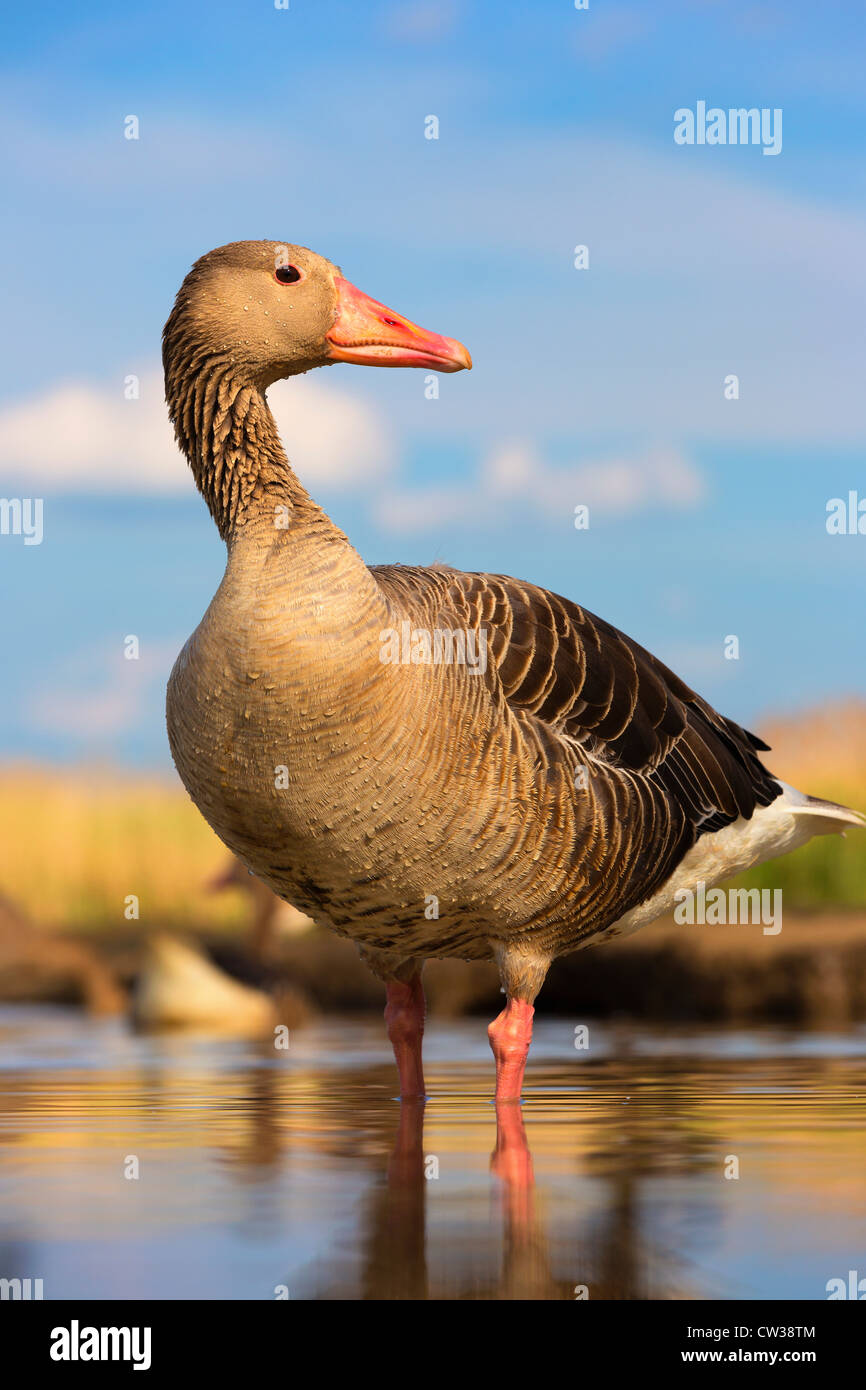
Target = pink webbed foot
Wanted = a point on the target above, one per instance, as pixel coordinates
(404, 1019)
(510, 1035)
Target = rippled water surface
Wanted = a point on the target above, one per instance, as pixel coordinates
(298, 1170)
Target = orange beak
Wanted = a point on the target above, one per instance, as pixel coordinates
(373, 336)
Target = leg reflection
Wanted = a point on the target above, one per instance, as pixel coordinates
(396, 1255)
(526, 1269)
(511, 1160)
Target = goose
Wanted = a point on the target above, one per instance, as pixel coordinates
(557, 794)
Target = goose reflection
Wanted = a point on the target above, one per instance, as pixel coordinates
(395, 1263)
(319, 1182)
(416, 1241)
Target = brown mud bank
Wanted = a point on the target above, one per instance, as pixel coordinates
(813, 972)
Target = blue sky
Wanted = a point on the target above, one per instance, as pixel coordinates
(601, 386)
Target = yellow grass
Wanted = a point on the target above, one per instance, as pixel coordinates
(822, 752)
(77, 842)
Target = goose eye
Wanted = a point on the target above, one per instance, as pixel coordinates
(287, 274)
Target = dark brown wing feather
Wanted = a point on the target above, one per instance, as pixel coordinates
(579, 674)
(582, 678)
(663, 766)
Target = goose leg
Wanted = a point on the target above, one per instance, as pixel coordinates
(522, 975)
(404, 1019)
(405, 1010)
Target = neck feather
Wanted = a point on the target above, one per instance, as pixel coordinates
(225, 427)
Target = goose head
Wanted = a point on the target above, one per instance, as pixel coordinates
(273, 310)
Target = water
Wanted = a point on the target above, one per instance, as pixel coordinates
(263, 1172)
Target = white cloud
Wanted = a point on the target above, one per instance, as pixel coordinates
(81, 437)
(77, 436)
(622, 483)
(332, 437)
(514, 474)
(424, 509)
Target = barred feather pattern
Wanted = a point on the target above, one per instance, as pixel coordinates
(626, 766)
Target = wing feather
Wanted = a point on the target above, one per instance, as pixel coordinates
(667, 768)
(585, 679)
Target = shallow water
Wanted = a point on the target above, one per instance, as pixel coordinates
(298, 1171)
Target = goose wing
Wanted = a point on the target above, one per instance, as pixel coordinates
(582, 678)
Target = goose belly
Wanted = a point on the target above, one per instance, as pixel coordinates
(335, 812)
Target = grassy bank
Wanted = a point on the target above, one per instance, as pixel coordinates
(77, 843)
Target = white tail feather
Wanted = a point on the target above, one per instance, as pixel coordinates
(786, 824)
(822, 817)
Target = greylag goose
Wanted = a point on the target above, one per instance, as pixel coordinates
(558, 793)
